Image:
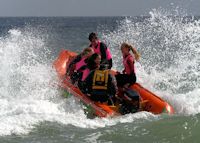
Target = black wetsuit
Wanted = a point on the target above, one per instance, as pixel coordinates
(96, 95)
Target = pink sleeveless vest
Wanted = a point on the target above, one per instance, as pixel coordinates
(127, 67)
(80, 64)
(98, 51)
(86, 72)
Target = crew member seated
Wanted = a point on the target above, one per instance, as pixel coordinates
(93, 63)
(78, 64)
(101, 85)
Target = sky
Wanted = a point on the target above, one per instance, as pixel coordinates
(92, 7)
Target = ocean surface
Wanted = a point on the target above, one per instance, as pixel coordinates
(32, 109)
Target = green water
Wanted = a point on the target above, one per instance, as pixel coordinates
(165, 129)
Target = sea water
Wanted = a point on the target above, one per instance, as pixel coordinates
(32, 108)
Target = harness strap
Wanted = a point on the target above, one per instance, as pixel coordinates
(100, 76)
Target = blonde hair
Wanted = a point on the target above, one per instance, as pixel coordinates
(133, 49)
(86, 51)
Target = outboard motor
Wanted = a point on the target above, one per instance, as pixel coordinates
(132, 94)
(130, 102)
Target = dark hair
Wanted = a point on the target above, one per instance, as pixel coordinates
(92, 36)
(91, 61)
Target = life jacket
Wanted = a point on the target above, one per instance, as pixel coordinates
(71, 65)
(76, 67)
(98, 51)
(80, 64)
(85, 73)
(100, 80)
(128, 70)
(80, 74)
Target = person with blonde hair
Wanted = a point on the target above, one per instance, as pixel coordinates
(128, 76)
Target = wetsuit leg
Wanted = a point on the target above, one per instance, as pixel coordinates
(123, 79)
(100, 98)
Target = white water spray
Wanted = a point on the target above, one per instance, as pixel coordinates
(169, 67)
(169, 45)
(27, 96)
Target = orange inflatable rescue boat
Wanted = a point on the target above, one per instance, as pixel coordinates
(149, 101)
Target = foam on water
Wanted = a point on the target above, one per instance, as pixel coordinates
(28, 95)
(169, 67)
(169, 46)
(25, 92)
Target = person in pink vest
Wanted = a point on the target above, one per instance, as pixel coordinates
(93, 63)
(78, 64)
(101, 49)
(128, 76)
